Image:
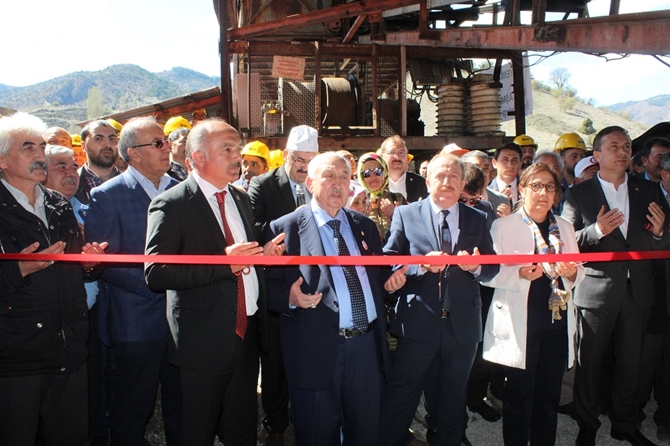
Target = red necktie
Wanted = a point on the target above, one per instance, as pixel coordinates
(241, 321)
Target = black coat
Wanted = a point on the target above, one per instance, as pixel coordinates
(43, 316)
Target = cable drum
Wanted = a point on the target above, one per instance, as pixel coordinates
(338, 102)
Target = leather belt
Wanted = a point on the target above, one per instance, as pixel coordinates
(445, 313)
(348, 333)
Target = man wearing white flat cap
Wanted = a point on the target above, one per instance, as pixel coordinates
(273, 195)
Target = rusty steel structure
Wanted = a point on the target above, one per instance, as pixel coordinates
(373, 44)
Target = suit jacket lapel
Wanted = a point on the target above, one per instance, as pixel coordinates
(310, 240)
(247, 219)
(285, 187)
(427, 218)
(204, 211)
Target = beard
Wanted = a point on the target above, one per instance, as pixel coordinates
(103, 160)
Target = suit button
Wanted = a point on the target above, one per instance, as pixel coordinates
(448, 274)
(336, 304)
(62, 369)
(39, 325)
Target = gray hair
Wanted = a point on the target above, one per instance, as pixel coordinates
(474, 154)
(19, 122)
(197, 138)
(445, 156)
(129, 136)
(665, 161)
(52, 150)
(554, 155)
(175, 134)
(316, 165)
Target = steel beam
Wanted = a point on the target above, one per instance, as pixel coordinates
(626, 33)
(318, 16)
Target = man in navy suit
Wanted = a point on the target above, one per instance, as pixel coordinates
(438, 316)
(332, 324)
(410, 185)
(132, 316)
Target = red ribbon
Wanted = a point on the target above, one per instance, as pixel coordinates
(494, 259)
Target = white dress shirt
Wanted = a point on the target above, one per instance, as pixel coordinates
(616, 199)
(399, 186)
(22, 198)
(234, 219)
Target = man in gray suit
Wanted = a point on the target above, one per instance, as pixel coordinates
(613, 212)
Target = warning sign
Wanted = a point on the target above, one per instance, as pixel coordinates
(288, 67)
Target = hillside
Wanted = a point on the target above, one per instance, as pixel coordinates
(548, 122)
(650, 111)
(123, 87)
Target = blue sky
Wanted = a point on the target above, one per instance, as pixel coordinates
(44, 39)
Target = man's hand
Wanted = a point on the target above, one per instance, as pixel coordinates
(657, 218)
(32, 266)
(435, 268)
(275, 247)
(466, 267)
(609, 221)
(242, 249)
(397, 280)
(503, 210)
(530, 272)
(93, 248)
(301, 300)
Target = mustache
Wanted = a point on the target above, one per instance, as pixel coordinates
(301, 171)
(69, 180)
(237, 165)
(37, 165)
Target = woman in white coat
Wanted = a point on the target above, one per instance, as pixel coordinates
(531, 325)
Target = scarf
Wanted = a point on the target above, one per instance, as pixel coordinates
(385, 173)
(558, 298)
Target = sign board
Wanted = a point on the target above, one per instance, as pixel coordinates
(288, 67)
(507, 90)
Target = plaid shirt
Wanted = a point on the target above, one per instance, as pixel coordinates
(92, 178)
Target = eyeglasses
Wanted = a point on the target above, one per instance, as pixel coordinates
(377, 171)
(157, 144)
(300, 161)
(470, 201)
(537, 187)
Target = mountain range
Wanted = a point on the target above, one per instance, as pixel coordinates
(649, 112)
(62, 101)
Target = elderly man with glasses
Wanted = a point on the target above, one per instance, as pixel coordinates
(131, 316)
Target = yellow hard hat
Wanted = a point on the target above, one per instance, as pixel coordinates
(115, 124)
(569, 141)
(276, 158)
(524, 140)
(258, 149)
(410, 157)
(174, 123)
(76, 140)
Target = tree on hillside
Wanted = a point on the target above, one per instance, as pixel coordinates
(95, 103)
(559, 77)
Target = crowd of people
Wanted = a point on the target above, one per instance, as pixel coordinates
(345, 352)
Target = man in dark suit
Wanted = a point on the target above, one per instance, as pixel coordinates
(410, 185)
(332, 327)
(273, 195)
(439, 309)
(613, 212)
(131, 316)
(214, 311)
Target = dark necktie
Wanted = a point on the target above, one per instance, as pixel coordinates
(447, 249)
(241, 319)
(360, 314)
(300, 195)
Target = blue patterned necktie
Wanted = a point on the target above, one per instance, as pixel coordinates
(447, 249)
(359, 312)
